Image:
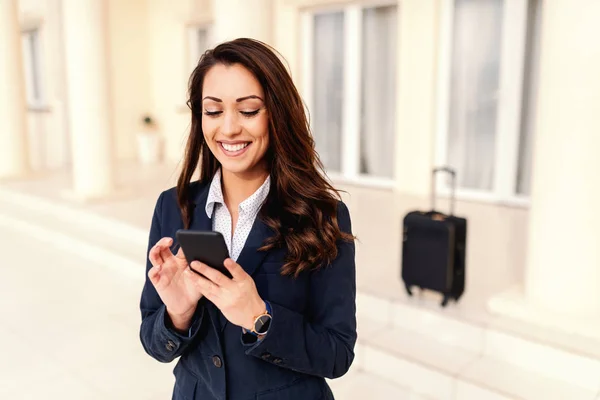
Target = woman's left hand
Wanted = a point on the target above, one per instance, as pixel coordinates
(237, 298)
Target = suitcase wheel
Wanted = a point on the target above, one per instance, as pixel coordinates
(445, 301)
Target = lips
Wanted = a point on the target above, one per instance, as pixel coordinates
(234, 149)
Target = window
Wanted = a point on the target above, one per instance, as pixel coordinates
(328, 87)
(349, 84)
(474, 90)
(30, 42)
(378, 100)
(488, 85)
(199, 40)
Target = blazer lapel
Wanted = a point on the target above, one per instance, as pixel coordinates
(200, 220)
(250, 257)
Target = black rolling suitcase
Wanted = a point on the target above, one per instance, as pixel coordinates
(434, 248)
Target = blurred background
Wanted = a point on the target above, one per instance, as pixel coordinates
(93, 122)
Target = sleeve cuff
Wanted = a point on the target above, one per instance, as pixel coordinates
(190, 331)
(172, 340)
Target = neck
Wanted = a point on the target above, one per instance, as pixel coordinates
(238, 187)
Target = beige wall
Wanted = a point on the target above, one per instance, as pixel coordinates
(286, 38)
(418, 30)
(563, 271)
(129, 72)
(252, 19)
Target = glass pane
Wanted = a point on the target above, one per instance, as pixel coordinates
(328, 80)
(198, 43)
(202, 41)
(378, 100)
(35, 65)
(532, 55)
(31, 67)
(474, 91)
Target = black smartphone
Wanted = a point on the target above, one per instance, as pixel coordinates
(208, 247)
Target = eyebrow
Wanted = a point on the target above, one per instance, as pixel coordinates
(253, 96)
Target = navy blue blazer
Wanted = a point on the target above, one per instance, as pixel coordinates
(311, 337)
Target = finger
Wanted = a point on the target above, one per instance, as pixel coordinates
(210, 273)
(164, 242)
(155, 256)
(209, 289)
(235, 269)
(165, 250)
(153, 273)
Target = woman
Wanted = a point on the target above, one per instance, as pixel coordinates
(286, 320)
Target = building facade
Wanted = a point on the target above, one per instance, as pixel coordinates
(506, 92)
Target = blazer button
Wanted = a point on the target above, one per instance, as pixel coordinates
(170, 346)
(217, 361)
(265, 356)
(277, 361)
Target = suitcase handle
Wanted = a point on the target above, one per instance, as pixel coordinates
(452, 196)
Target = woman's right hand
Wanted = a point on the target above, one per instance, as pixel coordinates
(169, 275)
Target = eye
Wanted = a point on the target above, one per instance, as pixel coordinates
(212, 113)
(250, 113)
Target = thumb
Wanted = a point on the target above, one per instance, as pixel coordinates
(180, 254)
(236, 271)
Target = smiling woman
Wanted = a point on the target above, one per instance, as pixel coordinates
(286, 319)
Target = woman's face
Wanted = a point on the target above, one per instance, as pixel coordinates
(234, 119)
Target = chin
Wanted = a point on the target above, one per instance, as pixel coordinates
(234, 167)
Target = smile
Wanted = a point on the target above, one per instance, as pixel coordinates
(234, 150)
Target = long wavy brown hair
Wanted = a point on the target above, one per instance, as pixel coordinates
(301, 207)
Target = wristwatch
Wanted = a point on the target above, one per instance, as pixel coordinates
(262, 322)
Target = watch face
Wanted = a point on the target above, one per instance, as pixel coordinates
(261, 326)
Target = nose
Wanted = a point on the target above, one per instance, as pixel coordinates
(231, 124)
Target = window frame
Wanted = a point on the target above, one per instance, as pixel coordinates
(350, 149)
(510, 101)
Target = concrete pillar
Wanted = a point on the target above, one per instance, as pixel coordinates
(243, 18)
(89, 117)
(14, 159)
(563, 265)
(418, 47)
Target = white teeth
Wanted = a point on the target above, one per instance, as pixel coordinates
(234, 147)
